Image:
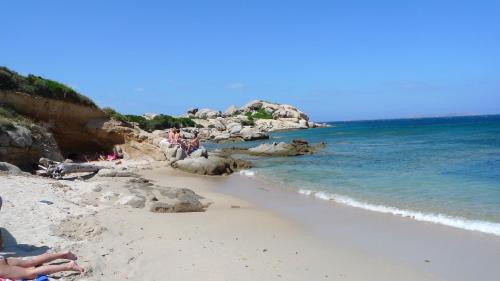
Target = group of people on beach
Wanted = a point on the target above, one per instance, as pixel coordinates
(188, 145)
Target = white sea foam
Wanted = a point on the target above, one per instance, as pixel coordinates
(457, 222)
(306, 192)
(248, 173)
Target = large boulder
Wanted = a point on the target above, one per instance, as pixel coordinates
(9, 168)
(23, 145)
(200, 152)
(177, 200)
(20, 137)
(297, 147)
(234, 128)
(248, 133)
(287, 111)
(206, 113)
(231, 111)
(271, 125)
(134, 201)
(220, 136)
(172, 152)
(218, 124)
(214, 164)
(253, 105)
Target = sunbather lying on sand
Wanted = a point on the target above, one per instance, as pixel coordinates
(15, 268)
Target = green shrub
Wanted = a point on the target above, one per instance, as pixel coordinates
(259, 114)
(159, 122)
(111, 113)
(249, 122)
(39, 86)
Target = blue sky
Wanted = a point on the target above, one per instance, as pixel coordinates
(337, 60)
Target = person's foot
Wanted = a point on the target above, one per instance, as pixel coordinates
(73, 266)
(69, 256)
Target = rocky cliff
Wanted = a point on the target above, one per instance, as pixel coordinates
(59, 129)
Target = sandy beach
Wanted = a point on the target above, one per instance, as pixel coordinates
(246, 234)
(233, 240)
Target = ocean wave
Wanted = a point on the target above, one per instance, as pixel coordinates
(248, 173)
(457, 222)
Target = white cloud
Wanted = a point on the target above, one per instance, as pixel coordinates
(235, 86)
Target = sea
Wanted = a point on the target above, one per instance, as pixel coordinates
(438, 170)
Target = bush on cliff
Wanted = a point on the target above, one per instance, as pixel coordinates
(39, 86)
(159, 122)
(111, 113)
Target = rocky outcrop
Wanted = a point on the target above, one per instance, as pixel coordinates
(23, 145)
(252, 121)
(65, 120)
(231, 111)
(206, 113)
(296, 148)
(213, 164)
(61, 128)
(157, 199)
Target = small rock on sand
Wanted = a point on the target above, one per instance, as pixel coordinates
(134, 201)
(108, 196)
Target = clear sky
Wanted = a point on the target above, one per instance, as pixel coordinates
(337, 60)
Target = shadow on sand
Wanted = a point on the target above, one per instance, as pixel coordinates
(13, 249)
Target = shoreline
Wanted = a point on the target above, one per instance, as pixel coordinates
(327, 254)
(462, 223)
(252, 231)
(444, 251)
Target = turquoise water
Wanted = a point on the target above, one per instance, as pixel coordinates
(442, 170)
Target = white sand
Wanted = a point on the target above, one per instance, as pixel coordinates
(232, 240)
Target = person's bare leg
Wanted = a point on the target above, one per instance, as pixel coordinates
(17, 272)
(41, 259)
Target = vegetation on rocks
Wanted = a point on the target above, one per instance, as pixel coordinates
(39, 86)
(259, 114)
(159, 122)
(249, 122)
(9, 118)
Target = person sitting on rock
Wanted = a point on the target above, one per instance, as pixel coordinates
(171, 135)
(193, 144)
(17, 269)
(177, 136)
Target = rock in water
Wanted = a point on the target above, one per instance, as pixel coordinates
(297, 147)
